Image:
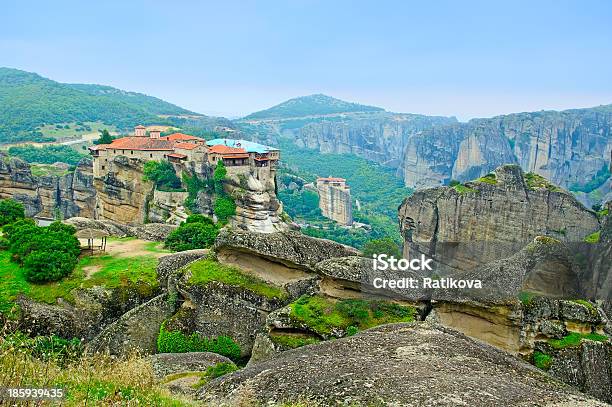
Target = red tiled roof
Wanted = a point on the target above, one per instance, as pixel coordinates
(181, 137)
(186, 146)
(98, 147)
(177, 155)
(262, 159)
(332, 179)
(141, 143)
(235, 155)
(221, 149)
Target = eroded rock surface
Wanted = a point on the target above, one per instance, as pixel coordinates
(406, 364)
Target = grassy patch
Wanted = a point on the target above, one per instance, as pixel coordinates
(525, 297)
(178, 342)
(322, 315)
(593, 237)
(156, 247)
(488, 179)
(293, 341)
(108, 271)
(462, 189)
(535, 181)
(587, 304)
(574, 339)
(207, 271)
(43, 170)
(542, 360)
(218, 370)
(88, 380)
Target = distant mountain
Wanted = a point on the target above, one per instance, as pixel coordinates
(28, 101)
(313, 105)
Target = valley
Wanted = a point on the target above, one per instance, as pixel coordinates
(222, 283)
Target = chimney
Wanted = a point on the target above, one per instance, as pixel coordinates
(140, 131)
(154, 133)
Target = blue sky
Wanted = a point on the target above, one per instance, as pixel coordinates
(462, 58)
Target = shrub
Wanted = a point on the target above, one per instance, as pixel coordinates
(10, 211)
(46, 253)
(542, 360)
(198, 218)
(162, 174)
(224, 208)
(219, 177)
(190, 236)
(178, 342)
(453, 183)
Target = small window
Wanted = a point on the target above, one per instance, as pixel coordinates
(103, 167)
(151, 155)
(132, 152)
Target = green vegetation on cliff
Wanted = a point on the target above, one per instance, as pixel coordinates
(47, 154)
(178, 342)
(10, 211)
(293, 340)
(197, 232)
(45, 253)
(218, 370)
(535, 181)
(162, 174)
(207, 271)
(323, 315)
(542, 360)
(574, 339)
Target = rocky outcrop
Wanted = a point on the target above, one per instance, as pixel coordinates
(377, 136)
(122, 193)
(151, 231)
(68, 195)
(257, 207)
(136, 330)
(333, 372)
(507, 207)
(88, 311)
(292, 249)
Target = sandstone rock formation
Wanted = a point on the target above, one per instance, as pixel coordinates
(257, 207)
(506, 207)
(68, 195)
(443, 366)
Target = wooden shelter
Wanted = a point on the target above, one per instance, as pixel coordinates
(91, 235)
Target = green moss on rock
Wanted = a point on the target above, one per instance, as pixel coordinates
(206, 271)
(324, 315)
(293, 340)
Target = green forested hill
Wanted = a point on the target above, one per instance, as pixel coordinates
(310, 106)
(28, 101)
(149, 103)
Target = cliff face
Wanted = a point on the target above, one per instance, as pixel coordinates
(71, 194)
(569, 148)
(122, 194)
(469, 225)
(380, 136)
(506, 207)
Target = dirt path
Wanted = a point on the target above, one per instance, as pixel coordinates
(132, 248)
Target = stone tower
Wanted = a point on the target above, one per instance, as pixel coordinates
(335, 200)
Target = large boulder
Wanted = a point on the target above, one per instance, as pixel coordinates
(292, 249)
(136, 330)
(406, 364)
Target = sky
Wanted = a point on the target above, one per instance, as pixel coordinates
(229, 58)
